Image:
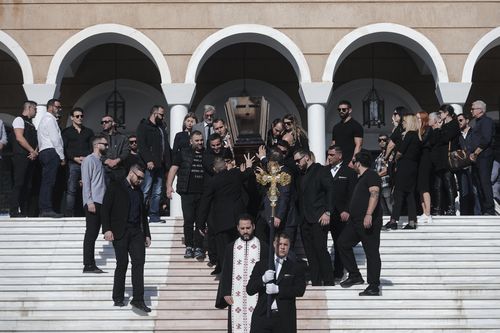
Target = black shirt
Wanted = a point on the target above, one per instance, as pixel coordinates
(344, 133)
(135, 196)
(361, 196)
(77, 144)
(195, 184)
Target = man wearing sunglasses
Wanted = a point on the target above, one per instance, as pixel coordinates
(77, 144)
(155, 153)
(117, 151)
(348, 133)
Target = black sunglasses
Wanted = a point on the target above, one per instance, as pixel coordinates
(106, 122)
(342, 109)
(132, 142)
(78, 116)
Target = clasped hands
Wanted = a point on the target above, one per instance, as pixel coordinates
(271, 288)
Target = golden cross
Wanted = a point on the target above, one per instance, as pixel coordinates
(274, 176)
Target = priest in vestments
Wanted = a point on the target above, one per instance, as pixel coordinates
(240, 258)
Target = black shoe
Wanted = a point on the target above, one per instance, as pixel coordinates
(391, 226)
(410, 226)
(211, 263)
(140, 305)
(450, 212)
(351, 281)
(120, 303)
(156, 220)
(16, 215)
(189, 253)
(199, 254)
(328, 283)
(92, 269)
(51, 214)
(216, 271)
(370, 291)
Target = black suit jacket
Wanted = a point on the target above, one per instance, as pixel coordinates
(115, 208)
(315, 193)
(291, 282)
(223, 199)
(342, 187)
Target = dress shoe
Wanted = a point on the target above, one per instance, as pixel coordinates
(156, 220)
(189, 253)
(120, 303)
(16, 215)
(370, 291)
(140, 305)
(351, 281)
(410, 226)
(391, 225)
(328, 283)
(211, 263)
(216, 271)
(51, 214)
(92, 269)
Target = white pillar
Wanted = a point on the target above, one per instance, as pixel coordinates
(177, 113)
(316, 131)
(39, 93)
(459, 108)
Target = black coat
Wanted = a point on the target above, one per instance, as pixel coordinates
(342, 186)
(407, 164)
(181, 140)
(115, 209)
(291, 282)
(149, 143)
(223, 198)
(315, 193)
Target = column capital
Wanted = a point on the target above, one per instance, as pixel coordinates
(179, 93)
(315, 92)
(40, 93)
(453, 92)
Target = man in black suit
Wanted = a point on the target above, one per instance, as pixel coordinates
(343, 181)
(125, 222)
(315, 206)
(223, 199)
(284, 283)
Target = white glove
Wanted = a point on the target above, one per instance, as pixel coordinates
(268, 276)
(272, 288)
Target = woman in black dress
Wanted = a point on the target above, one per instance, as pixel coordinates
(407, 157)
(294, 134)
(181, 139)
(424, 166)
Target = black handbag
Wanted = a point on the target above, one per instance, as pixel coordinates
(457, 159)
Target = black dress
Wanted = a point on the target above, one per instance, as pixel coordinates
(425, 164)
(407, 165)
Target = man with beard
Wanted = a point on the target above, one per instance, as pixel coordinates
(315, 205)
(283, 283)
(221, 129)
(155, 152)
(348, 133)
(94, 187)
(206, 126)
(239, 260)
(117, 153)
(187, 165)
(364, 225)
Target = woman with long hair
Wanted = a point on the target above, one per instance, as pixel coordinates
(181, 139)
(424, 166)
(407, 157)
(294, 134)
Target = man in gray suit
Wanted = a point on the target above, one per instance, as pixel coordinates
(205, 127)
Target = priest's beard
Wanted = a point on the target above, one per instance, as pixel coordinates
(246, 237)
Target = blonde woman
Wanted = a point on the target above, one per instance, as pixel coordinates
(294, 134)
(405, 181)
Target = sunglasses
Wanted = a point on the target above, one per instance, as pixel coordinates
(133, 142)
(78, 116)
(343, 109)
(297, 160)
(287, 122)
(106, 122)
(141, 178)
(380, 140)
(104, 144)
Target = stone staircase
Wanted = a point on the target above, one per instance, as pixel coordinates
(442, 277)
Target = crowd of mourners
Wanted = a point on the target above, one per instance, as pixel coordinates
(427, 164)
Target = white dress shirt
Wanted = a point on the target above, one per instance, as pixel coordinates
(49, 135)
(278, 262)
(335, 169)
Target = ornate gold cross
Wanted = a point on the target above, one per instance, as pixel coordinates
(274, 176)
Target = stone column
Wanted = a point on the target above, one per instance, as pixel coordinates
(316, 131)
(454, 93)
(179, 97)
(39, 93)
(315, 96)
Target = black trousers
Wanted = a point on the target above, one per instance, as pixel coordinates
(263, 324)
(190, 204)
(133, 243)
(336, 228)
(92, 227)
(222, 239)
(409, 197)
(50, 162)
(481, 175)
(354, 232)
(444, 182)
(23, 178)
(314, 237)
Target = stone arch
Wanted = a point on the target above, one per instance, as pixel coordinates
(392, 33)
(13, 49)
(486, 43)
(248, 33)
(104, 34)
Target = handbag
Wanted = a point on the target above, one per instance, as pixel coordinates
(457, 159)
